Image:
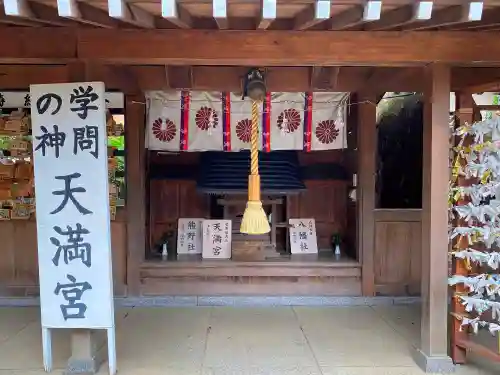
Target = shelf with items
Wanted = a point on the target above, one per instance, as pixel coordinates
(17, 200)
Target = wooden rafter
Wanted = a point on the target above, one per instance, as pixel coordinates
(448, 16)
(313, 14)
(131, 14)
(219, 9)
(85, 14)
(489, 20)
(348, 18)
(417, 12)
(176, 14)
(393, 18)
(267, 14)
(32, 14)
(16, 21)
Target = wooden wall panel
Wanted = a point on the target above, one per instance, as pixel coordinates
(164, 201)
(325, 201)
(19, 261)
(192, 203)
(171, 200)
(397, 252)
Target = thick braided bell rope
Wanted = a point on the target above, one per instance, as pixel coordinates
(254, 150)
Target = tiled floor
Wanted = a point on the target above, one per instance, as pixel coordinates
(239, 341)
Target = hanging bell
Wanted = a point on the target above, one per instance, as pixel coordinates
(254, 86)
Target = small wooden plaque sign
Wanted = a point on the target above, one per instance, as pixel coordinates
(189, 236)
(216, 239)
(303, 236)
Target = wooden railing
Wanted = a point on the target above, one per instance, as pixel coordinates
(397, 251)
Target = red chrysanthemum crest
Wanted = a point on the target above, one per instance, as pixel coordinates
(289, 120)
(244, 130)
(206, 118)
(164, 131)
(327, 132)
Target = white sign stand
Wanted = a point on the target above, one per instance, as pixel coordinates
(72, 206)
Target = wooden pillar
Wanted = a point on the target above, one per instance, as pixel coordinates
(367, 155)
(136, 189)
(432, 356)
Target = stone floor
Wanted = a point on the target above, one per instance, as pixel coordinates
(222, 341)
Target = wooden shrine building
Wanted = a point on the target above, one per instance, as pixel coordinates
(363, 48)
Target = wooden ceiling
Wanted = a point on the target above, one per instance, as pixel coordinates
(353, 15)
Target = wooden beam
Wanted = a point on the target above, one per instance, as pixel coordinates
(18, 8)
(383, 79)
(313, 14)
(393, 18)
(130, 14)
(348, 18)
(14, 20)
(417, 12)
(324, 78)
(84, 13)
(273, 48)
(267, 14)
(219, 10)
(489, 20)
(180, 17)
(130, 79)
(180, 77)
(20, 77)
(448, 16)
(247, 48)
(34, 13)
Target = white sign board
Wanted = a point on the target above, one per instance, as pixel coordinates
(189, 236)
(72, 205)
(303, 236)
(216, 239)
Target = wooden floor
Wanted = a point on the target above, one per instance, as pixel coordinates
(280, 275)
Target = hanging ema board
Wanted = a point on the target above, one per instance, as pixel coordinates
(189, 236)
(303, 236)
(73, 214)
(216, 239)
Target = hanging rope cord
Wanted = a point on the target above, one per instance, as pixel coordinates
(254, 149)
